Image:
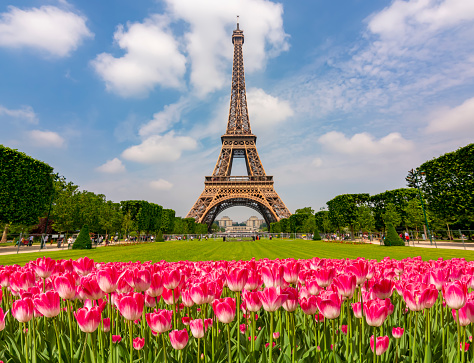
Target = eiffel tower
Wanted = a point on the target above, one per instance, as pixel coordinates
(254, 190)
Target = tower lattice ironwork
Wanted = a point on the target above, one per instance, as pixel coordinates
(254, 190)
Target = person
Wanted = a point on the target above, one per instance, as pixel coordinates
(46, 239)
(30, 243)
(407, 237)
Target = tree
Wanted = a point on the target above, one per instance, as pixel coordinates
(64, 205)
(365, 218)
(275, 227)
(309, 224)
(285, 225)
(448, 185)
(296, 222)
(83, 241)
(305, 210)
(414, 214)
(391, 216)
(26, 186)
(398, 197)
(343, 209)
(167, 220)
(392, 238)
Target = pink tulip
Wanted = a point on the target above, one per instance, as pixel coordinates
(107, 279)
(179, 338)
(344, 329)
(2, 319)
(466, 314)
(383, 288)
(252, 300)
(360, 269)
(83, 266)
(224, 309)
(44, 267)
(276, 335)
(131, 305)
(329, 304)
(122, 285)
(375, 314)
(150, 301)
(381, 345)
(167, 295)
(291, 270)
(156, 286)
(91, 288)
(272, 275)
(48, 304)
(106, 325)
(65, 285)
(308, 305)
(139, 279)
(138, 343)
(197, 328)
(455, 294)
(345, 285)
(236, 279)
(200, 293)
(254, 281)
(160, 321)
(88, 320)
(313, 287)
(466, 346)
(116, 338)
(324, 276)
(357, 310)
(22, 310)
(397, 332)
(271, 298)
(22, 280)
(291, 303)
(438, 277)
(171, 279)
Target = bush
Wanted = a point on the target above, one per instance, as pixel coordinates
(159, 237)
(83, 241)
(316, 235)
(392, 238)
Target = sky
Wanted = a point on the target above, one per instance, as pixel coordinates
(129, 99)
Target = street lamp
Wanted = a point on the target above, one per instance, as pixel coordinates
(412, 180)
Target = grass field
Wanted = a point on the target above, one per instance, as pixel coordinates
(218, 250)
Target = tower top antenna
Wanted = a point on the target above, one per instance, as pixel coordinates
(237, 22)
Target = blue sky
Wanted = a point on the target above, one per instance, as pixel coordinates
(129, 99)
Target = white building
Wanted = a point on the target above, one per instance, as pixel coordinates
(254, 223)
(224, 222)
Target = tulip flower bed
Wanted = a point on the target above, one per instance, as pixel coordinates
(313, 310)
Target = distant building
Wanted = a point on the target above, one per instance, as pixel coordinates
(224, 222)
(239, 229)
(254, 222)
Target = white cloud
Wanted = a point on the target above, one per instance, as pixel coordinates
(365, 144)
(208, 43)
(459, 119)
(24, 113)
(47, 28)
(46, 138)
(113, 166)
(410, 19)
(152, 58)
(162, 120)
(266, 110)
(157, 148)
(317, 162)
(161, 184)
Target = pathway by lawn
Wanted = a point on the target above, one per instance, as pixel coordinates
(218, 250)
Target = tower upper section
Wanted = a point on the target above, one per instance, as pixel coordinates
(238, 123)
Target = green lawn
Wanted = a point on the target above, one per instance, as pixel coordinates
(218, 250)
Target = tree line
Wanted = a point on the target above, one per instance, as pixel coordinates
(34, 199)
(446, 186)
